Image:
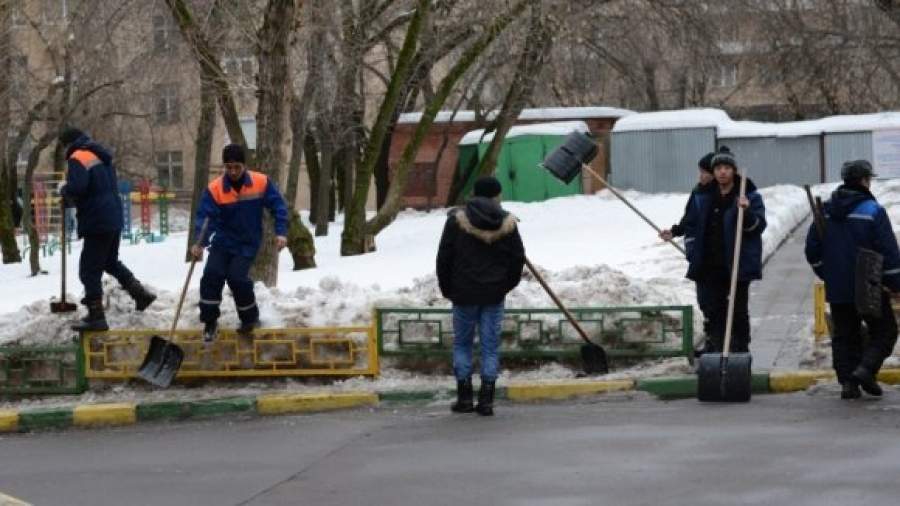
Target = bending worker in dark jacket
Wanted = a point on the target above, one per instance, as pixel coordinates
(91, 186)
(853, 220)
(704, 179)
(710, 228)
(234, 205)
(479, 261)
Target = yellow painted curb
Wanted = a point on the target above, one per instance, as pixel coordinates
(6, 500)
(9, 420)
(276, 404)
(793, 381)
(91, 415)
(563, 389)
(889, 376)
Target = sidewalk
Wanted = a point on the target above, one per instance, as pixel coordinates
(781, 305)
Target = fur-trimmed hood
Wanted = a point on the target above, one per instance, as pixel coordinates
(485, 219)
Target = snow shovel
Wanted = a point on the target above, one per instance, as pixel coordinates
(573, 156)
(593, 356)
(726, 376)
(62, 306)
(164, 357)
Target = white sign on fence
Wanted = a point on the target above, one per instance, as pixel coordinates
(886, 153)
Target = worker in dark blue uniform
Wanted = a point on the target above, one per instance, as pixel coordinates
(91, 187)
(854, 220)
(234, 204)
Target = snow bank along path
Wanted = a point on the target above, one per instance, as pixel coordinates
(593, 250)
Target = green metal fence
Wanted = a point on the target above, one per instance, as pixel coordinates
(28, 370)
(646, 331)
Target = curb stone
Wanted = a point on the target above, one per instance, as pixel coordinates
(115, 414)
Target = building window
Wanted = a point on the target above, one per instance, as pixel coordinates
(169, 169)
(163, 34)
(727, 75)
(166, 107)
(240, 67)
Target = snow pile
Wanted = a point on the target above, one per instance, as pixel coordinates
(591, 248)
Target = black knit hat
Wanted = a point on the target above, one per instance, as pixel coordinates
(69, 135)
(233, 153)
(856, 170)
(704, 163)
(723, 157)
(487, 186)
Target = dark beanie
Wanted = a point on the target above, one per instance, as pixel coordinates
(723, 157)
(233, 153)
(69, 135)
(488, 187)
(705, 163)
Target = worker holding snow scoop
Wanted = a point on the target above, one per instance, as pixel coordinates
(479, 260)
(704, 179)
(91, 187)
(709, 227)
(234, 205)
(853, 221)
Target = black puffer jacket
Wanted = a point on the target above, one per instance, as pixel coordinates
(481, 255)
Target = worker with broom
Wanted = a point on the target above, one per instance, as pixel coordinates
(709, 225)
(91, 187)
(233, 205)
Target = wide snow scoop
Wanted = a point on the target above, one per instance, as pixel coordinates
(568, 160)
(61, 305)
(593, 356)
(164, 357)
(726, 376)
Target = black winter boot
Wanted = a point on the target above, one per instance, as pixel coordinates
(867, 381)
(247, 328)
(142, 298)
(850, 390)
(464, 394)
(485, 405)
(210, 331)
(95, 319)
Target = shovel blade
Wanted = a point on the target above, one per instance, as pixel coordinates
(724, 379)
(161, 363)
(565, 161)
(62, 307)
(593, 359)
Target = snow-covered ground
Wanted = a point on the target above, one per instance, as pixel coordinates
(593, 249)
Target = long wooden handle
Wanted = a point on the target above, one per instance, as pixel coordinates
(739, 235)
(559, 303)
(816, 214)
(187, 282)
(62, 237)
(627, 203)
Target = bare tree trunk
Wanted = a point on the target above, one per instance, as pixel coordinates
(324, 190)
(8, 246)
(538, 43)
(311, 154)
(300, 241)
(392, 206)
(27, 216)
(209, 68)
(353, 239)
(274, 77)
(203, 144)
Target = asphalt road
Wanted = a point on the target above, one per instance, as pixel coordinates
(624, 449)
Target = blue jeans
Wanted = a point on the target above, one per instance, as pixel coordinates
(489, 320)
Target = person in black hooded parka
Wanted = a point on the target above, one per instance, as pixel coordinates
(853, 220)
(479, 260)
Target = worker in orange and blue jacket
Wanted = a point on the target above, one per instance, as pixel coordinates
(233, 205)
(91, 187)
